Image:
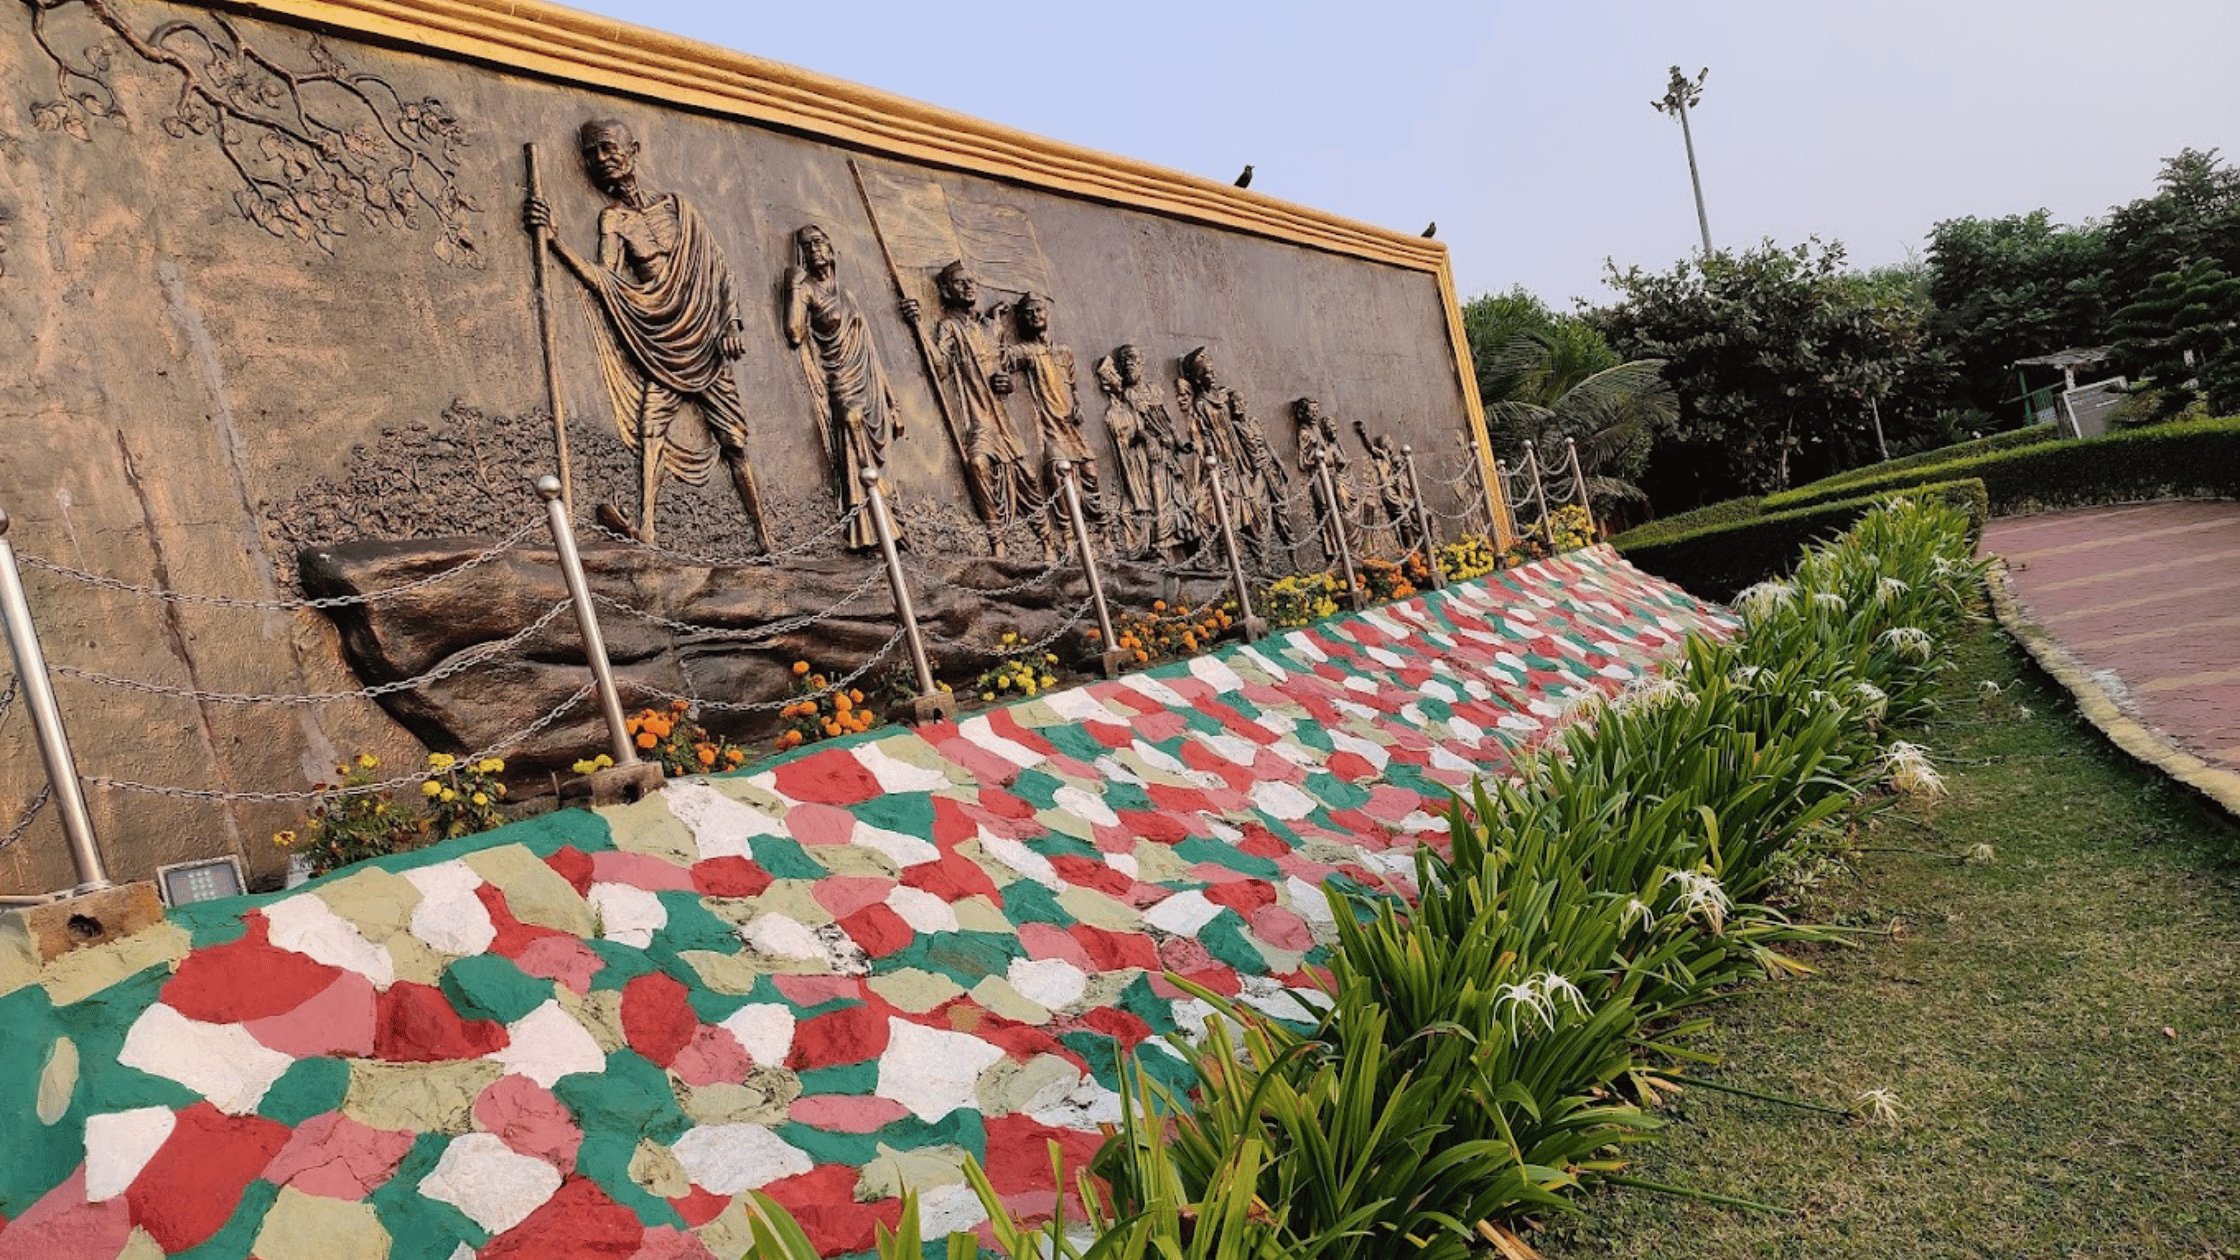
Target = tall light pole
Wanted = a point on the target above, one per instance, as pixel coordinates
(1678, 96)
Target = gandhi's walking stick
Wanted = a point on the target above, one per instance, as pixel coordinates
(538, 242)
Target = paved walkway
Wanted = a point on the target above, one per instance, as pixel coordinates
(2147, 599)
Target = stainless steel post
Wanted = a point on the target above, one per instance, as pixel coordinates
(1429, 540)
(46, 723)
(931, 700)
(587, 618)
(1069, 484)
(1578, 476)
(1508, 513)
(1329, 483)
(1253, 626)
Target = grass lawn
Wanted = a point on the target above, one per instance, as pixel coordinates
(2058, 1023)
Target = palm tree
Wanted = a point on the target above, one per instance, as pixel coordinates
(1564, 381)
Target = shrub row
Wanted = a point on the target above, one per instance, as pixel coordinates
(2012, 439)
(2188, 459)
(1498, 1043)
(1716, 561)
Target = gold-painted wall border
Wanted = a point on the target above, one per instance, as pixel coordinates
(573, 47)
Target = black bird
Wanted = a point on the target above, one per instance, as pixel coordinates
(1431, 231)
(1245, 180)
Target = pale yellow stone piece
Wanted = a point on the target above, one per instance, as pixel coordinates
(1158, 864)
(301, 1226)
(1066, 824)
(978, 914)
(913, 751)
(796, 899)
(914, 990)
(141, 1245)
(736, 973)
(996, 993)
(748, 793)
(81, 973)
(423, 1097)
(58, 1080)
(646, 826)
(1097, 910)
(1009, 1086)
(765, 1097)
(853, 859)
(19, 958)
(891, 1172)
(600, 1013)
(657, 1171)
(415, 960)
(534, 892)
(731, 1233)
(378, 903)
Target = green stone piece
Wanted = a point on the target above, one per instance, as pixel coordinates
(1030, 902)
(784, 858)
(963, 1128)
(1038, 788)
(1072, 741)
(1196, 849)
(489, 986)
(690, 926)
(846, 1078)
(421, 1228)
(1100, 1052)
(1141, 1001)
(310, 1087)
(852, 1149)
(1334, 792)
(212, 923)
(622, 964)
(630, 1101)
(909, 813)
(547, 834)
(1224, 938)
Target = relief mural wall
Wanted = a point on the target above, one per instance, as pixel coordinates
(303, 313)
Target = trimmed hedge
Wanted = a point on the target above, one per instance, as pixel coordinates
(2188, 459)
(1725, 512)
(1717, 561)
(2030, 435)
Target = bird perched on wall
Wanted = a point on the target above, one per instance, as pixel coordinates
(1432, 230)
(1245, 180)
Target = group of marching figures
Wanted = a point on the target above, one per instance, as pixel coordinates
(666, 296)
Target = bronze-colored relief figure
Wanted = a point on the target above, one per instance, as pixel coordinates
(665, 292)
(968, 362)
(1224, 428)
(1318, 442)
(1047, 368)
(1390, 511)
(855, 407)
(1158, 516)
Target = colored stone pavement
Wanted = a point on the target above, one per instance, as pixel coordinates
(2146, 597)
(589, 1034)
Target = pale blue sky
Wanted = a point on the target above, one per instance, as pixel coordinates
(1525, 129)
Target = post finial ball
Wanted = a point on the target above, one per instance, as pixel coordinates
(870, 476)
(548, 487)
(1407, 448)
(4, 520)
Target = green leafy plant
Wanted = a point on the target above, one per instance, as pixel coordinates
(1017, 673)
(350, 823)
(462, 796)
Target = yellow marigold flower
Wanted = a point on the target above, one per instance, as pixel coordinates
(479, 799)
(491, 765)
(283, 838)
(987, 695)
(367, 761)
(1049, 681)
(442, 761)
(430, 788)
(584, 766)
(449, 796)
(707, 755)
(1010, 638)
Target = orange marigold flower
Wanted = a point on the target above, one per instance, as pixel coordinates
(707, 755)
(646, 739)
(856, 695)
(832, 726)
(841, 704)
(800, 667)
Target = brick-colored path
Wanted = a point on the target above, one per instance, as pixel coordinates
(2149, 594)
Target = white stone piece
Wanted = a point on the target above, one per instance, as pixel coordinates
(1085, 1106)
(981, 733)
(628, 915)
(221, 1062)
(1231, 748)
(932, 1072)
(952, 1209)
(1022, 859)
(486, 1179)
(1182, 914)
(1154, 690)
(309, 926)
(1050, 982)
(547, 1044)
(781, 937)
(906, 851)
(720, 825)
(1075, 704)
(764, 1030)
(1278, 799)
(1085, 805)
(732, 1158)
(1125, 863)
(1211, 671)
(119, 1144)
(450, 918)
(896, 775)
(923, 911)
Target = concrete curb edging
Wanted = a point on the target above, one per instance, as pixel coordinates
(2219, 785)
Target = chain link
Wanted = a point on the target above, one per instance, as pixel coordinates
(731, 634)
(762, 561)
(480, 558)
(1071, 553)
(464, 661)
(769, 706)
(499, 749)
(30, 813)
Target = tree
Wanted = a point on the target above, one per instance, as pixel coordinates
(1773, 353)
(2007, 289)
(2178, 339)
(1567, 383)
(1490, 322)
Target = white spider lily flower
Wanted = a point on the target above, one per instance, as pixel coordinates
(1909, 641)
(1700, 893)
(1830, 601)
(1743, 675)
(1764, 599)
(1878, 1106)
(1988, 689)
(1910, 771)
(1647, 695)
(1636, 908)
(1873, 700)
(1582, 705)
(1889, 588)
(1525, 994)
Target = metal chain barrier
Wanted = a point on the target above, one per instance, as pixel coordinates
(764, 560)
(1024, 649)
(30, 815)
(464, 661)
(498, 749)
(485, 556)
(1067, 557)
(734, 634)
(771, 706)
